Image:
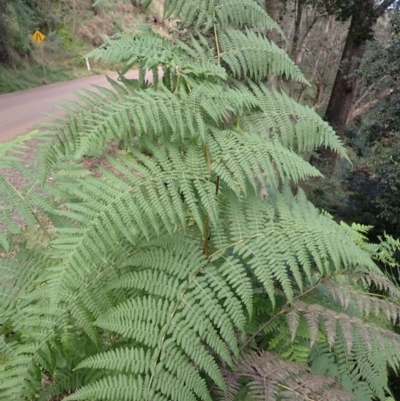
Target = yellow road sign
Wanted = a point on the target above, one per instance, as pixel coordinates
(38, 37)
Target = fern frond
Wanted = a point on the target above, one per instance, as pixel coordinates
(64, 382)
(148, 113)
(172, 191)
(192, 12)
(366, 303)
(372, 336)
(291, 347)
(250, 54)
(363, 372)
(155, 195)
(244, 13)
(150, 51)
(298, 127)
(18, 275)
(174, 322)
(262, 235)
(226, 13)
(239, 158)
(272, 378)
(47, 344)
(11, 150)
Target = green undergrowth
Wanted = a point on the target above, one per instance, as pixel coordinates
(59, 66)
(69, 37)
(12, 80)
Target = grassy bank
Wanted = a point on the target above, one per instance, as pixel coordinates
(30, 76)
(70, 34)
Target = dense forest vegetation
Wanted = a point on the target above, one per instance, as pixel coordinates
(350, 51)
(227, 230)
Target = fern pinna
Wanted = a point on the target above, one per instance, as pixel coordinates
(182, 261)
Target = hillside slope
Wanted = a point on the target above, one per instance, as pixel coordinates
(72, 28)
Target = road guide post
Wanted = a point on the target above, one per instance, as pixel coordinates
(39, 37)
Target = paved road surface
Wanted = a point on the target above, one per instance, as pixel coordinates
(19, 111)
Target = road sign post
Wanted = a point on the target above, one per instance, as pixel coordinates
(39, 37)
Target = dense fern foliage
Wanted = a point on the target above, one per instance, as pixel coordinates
(162, 248)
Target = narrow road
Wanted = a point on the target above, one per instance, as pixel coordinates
(19, 111)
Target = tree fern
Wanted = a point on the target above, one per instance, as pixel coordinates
(183, 261)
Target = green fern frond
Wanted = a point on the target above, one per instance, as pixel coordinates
(132, 388)
(11, 150)
(256, 61)
(40, 349)
(185, 310)
(138, 361)
(298, 127)
(150, 51)
(262, 235)
(152, 194)
(192, 12)
(64, 382)
(325, 362)
(17, 277)
(226, 13)
(239, 158)
(159, 114)
(363, 372)
(293, 348)
(169, 271)
(244, 13)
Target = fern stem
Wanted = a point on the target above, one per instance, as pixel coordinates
(42, 226)
(295, 392)
(178, 82)
(217, 43)
(207, 223)
(207, 154)
(281, 312)
(233, 244)
(207, 236)
(33, 213)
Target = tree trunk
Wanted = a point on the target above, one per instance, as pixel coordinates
(363, 19)
(296, 36)
(360, 31)
(341, 99)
